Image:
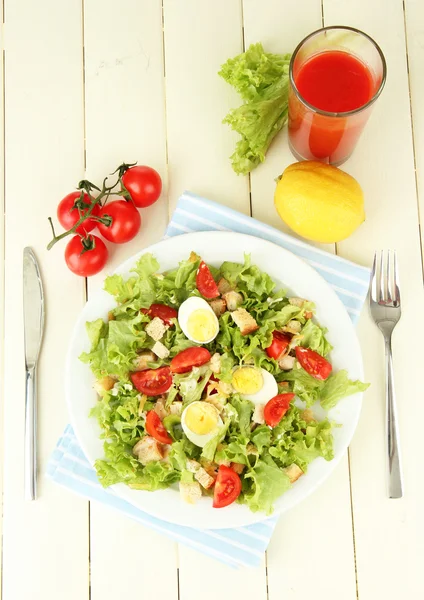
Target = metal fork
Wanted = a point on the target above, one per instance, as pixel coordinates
(386, 312)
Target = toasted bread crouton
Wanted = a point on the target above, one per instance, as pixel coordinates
(309, 314)
(224, 286)
(176, 408)
(215, 363)
(251, 449)
(299, 302)
(233, 300)
(160, 409)
(244, 321)
(258, 414)
(104, 384)
(307, 415)
(192, 465)
(147, 450)
(141, 363)
(286, 363)
(217, 401)
(160, 350)
(210, 467)
(204, 478)
(110, 316)
(143, 400)
(218, 305)
(156, 329)
(293, 327)
(293, 472)
(237, 468)
(190, 492)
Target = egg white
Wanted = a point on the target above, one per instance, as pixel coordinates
(187, 308)
(196, 438)
(268, 390)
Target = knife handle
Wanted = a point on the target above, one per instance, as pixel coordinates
(30, 443)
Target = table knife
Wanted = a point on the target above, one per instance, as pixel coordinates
(33, 300)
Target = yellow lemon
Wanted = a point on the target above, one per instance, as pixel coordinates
(319, 202)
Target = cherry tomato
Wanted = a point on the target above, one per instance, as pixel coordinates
(83, 260)
(143, 184)
(68, 214)
(205, 282)
(189, 358)
(164, 312)
(313, 363)
(279, 343)
(152, 382)
(276, 408)
(155, 428)
(227, 487)
(126, 222)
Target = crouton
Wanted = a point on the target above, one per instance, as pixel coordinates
(251, 449)
(224, 286)
(148, 450)
(215, 363)
(160, 350)
(225, 388)
(217, 401)
(292, 327)
(309, 314)
(299, 302)
(225, 463)
(166, 454)
(141, 362)
(293, 472)
(160, 409)
(244, 321)
(210, 467)
(286, 363)
(143, 400)
(233, 300)
(237, 468)
(307, 415)
(192, 465)
(104, 385)
(176, 408)
(190, 492)
(156, 329)
(204, 478)
(110, 316)
(218, 305)
(258, 414)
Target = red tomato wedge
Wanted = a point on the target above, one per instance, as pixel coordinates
(276, 408)
(189, 358)
(152, 382)
(164, 312)
(205, 282)
(279, 343)
(227, 487)
(313, 363)
(155, 428)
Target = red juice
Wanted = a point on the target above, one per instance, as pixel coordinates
(333, 81)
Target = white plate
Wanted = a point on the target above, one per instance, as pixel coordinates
(291, 273)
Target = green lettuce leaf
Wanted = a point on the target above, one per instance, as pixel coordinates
(268, 483)
(338, 386)
(305, 386)
(244, 410)
(313, 337)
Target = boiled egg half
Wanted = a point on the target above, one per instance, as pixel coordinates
(200, 422)
(256, 385)
(198, 321)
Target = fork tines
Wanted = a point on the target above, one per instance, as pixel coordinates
(385, 279)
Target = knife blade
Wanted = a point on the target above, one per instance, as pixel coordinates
(33, 305)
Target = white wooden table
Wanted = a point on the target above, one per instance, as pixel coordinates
(90, 84)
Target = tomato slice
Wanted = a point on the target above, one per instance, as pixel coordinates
(164, 312)
(313, 363)
(155, 428)
(189, 358)
(227, 487)
(279, 343)
(276, 408)
(152, 382)
(205, 282)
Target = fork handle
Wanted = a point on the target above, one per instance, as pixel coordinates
(393, 447)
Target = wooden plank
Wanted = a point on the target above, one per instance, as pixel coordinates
(389, 534)
(279, 29)
(44, 159)
(125, 121)
(199, 37)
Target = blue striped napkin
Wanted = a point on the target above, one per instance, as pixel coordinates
(242, 546)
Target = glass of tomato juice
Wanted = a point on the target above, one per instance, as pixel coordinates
(336, 75)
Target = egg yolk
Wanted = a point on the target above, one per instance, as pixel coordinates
(201, 418)
(247, 380)
(201, 325)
